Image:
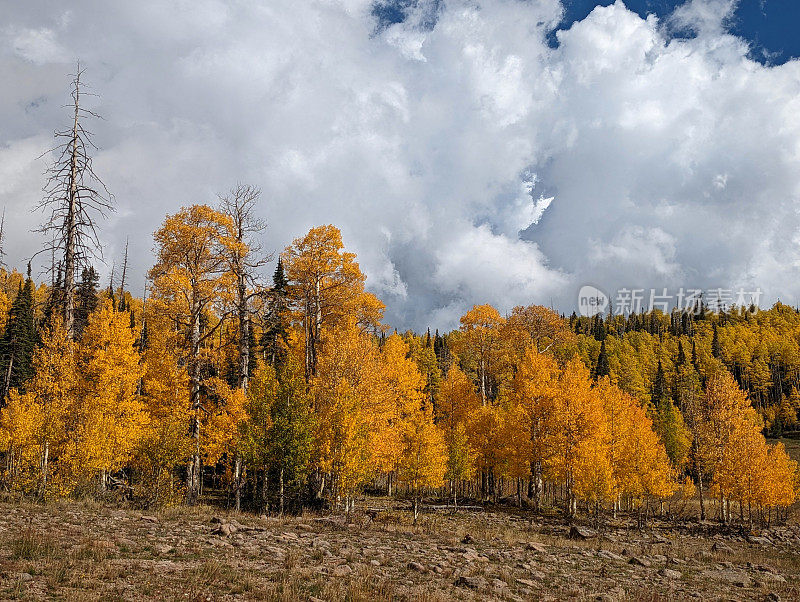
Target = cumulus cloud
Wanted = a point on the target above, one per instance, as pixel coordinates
(465, 158)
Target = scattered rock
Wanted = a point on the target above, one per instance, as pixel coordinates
(126, 543)
(762, 541)
(658, 538)
(342, 570)
(471, 582)
(718, 546)
(535, 547)
(670, 574)
(577, 532)
(225, 530)
(735, 578)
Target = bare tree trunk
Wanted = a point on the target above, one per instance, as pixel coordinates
(237, 482)
(702, 500)
(193, 469)
(70, 223)
(74, 194)
(282, 491)
(45, 467)
(7, 381)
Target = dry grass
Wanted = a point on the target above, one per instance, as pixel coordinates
(77, 551)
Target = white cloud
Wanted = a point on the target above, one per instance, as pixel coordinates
(656, 160)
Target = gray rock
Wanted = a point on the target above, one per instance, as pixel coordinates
(471, 582)
(341, 571)
(535, 547)
(577, 532)
(669, 574)
(735, 578)
(718, 546)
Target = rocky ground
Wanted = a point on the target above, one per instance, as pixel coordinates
(78, 551)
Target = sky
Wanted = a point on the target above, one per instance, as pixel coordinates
(471, 151)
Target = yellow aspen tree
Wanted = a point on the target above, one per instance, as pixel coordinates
(402, 395)
(456, 404)
(485, 438)
(109, 415)
(725, 409)
(481, 329)
(326, 285)
(54, 389)
(458, 399)
(343, 391)
(165, 388)
(534, 390)
(423, 462)
(577, 424)
(460, 458)
(593, 474)
(190, 279)
(227, 415)
(20, 422)
(781, 482)
(743, 471)
(515, 445)
(644, 470)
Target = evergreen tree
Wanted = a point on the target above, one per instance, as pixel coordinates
(273, 340)
(85, 299)
(681, 360)
(55, 297)
(695, 363)
(602, 368)
(19, 340)
(660, 391)
(715, 346)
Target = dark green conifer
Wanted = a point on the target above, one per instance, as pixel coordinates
(19, 340)
(602, 368)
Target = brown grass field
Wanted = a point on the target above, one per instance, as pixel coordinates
(87, 551)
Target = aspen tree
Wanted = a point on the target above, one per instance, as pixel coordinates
(190, 277)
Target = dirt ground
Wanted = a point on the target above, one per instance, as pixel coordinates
(85, 551)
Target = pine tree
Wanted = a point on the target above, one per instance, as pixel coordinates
(274, 337)
(602, 367)
(716, 350)
(681, 359)
(86, 299)
(659, 391)
(19, 340)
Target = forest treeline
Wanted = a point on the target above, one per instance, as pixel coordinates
(291, 393)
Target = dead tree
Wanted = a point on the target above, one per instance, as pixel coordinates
(75, 198)
(245, 257)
